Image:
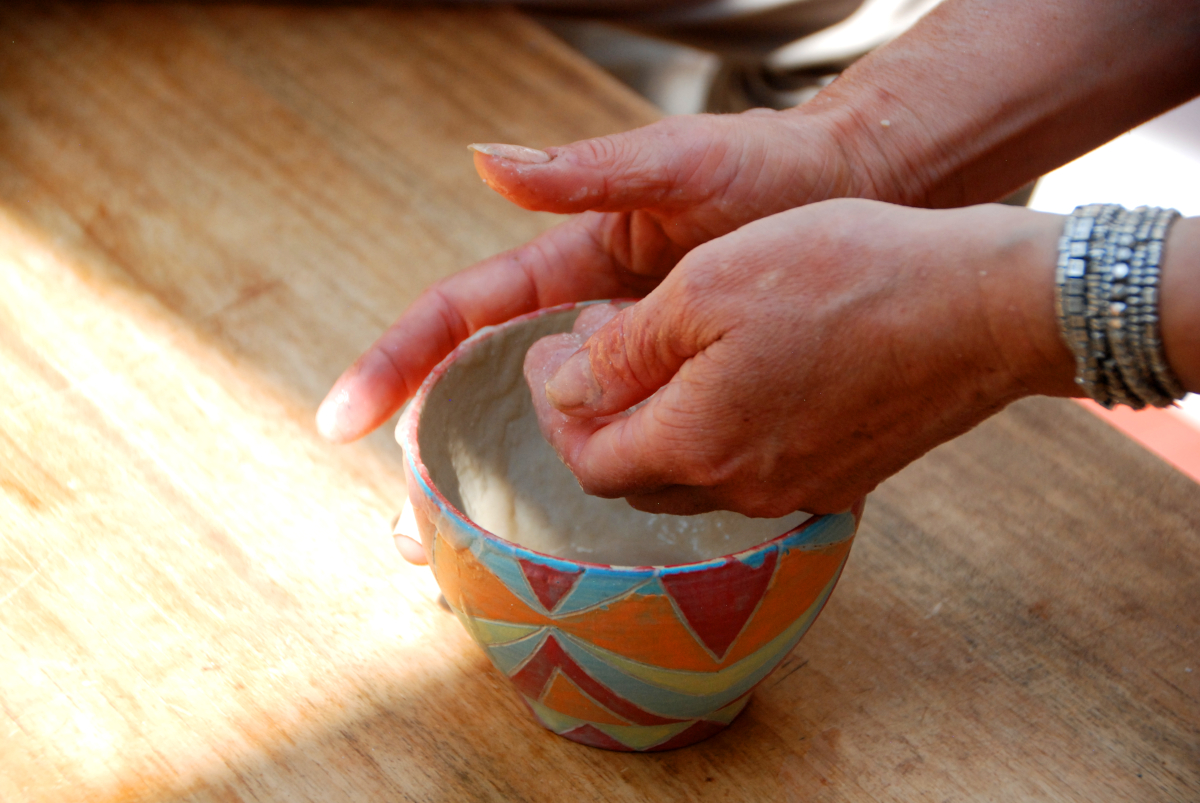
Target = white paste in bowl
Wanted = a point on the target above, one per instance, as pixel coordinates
(479, 440)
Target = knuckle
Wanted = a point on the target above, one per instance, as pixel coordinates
(700, 281)
(633, 348)
(604, 151)
(439, 298)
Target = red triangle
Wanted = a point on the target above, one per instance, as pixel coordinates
(594, 737)
(550, 584)
(532, 678)
(718, 602)
(692, 734)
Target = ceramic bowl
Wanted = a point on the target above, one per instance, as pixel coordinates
(624, 657)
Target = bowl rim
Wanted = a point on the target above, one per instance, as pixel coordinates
(406, 436)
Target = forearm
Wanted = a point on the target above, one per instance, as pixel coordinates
(981, 97)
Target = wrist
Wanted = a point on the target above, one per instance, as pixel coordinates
(1020, 248)
(848, 169)
(870, 144)
(1179, 302)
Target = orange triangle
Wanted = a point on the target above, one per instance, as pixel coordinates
(567, 698)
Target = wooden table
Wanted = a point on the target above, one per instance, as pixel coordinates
(205, 213)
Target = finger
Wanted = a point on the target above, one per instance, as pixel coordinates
(405, 535)
(673, 163)
(676, 439)
(558, 428)
(545, 357)
(598, 451)
(677, 500)
(688, 500)
(676, 454)
(411, 550)
(571, 262)
(592, 317)
(691, 500)
(627, 359)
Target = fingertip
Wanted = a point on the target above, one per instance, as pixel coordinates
(504, 168)
(411, 550)
(573, 387)
(404, 529)
(329, 415)
(348, 413)
(364, 397)
(566, 180)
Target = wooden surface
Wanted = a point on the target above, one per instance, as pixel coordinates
(205, 213)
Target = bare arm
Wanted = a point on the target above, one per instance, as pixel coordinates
(803, 359)
(981, 97)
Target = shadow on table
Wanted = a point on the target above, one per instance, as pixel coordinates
(479, 744)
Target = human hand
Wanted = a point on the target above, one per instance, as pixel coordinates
(647, 197)
(797, 362)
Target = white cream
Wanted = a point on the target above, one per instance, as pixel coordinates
(479, 439)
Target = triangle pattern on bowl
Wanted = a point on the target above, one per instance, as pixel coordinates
(548, 583)
(717, 602)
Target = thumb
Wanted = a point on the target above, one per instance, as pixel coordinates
(673, 163)
(624, 362)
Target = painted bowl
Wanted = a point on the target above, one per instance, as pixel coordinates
(624, 657)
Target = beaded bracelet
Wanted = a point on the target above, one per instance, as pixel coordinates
(1106, 296)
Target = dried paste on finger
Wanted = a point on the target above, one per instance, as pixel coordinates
(480, 442)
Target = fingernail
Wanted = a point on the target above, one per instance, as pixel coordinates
(329, 416)
(573, 385)
(513, 153)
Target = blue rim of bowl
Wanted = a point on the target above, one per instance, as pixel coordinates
(406, 432)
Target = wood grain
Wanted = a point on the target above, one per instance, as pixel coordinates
(205, 213)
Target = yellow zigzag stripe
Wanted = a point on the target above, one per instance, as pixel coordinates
(554, 720)
(729, 712)
(639, 737)
(489, 631)
(704, 683)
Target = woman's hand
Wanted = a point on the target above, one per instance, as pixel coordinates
(647, 197)
(965, 107)
(799, 361)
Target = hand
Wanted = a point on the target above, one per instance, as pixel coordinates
(923, 120)
(647, 197)
(799, 361)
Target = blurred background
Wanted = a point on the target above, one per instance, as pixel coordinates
(731, 55)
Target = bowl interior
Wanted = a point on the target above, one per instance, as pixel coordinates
(479, 440)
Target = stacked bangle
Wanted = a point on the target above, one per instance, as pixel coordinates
(1107, 300)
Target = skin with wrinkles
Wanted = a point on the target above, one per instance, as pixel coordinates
(683, 182)
(957, 135)
(979, 97)
(757, 401)
(545, 358)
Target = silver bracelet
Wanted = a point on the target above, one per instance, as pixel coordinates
(1106, 296)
